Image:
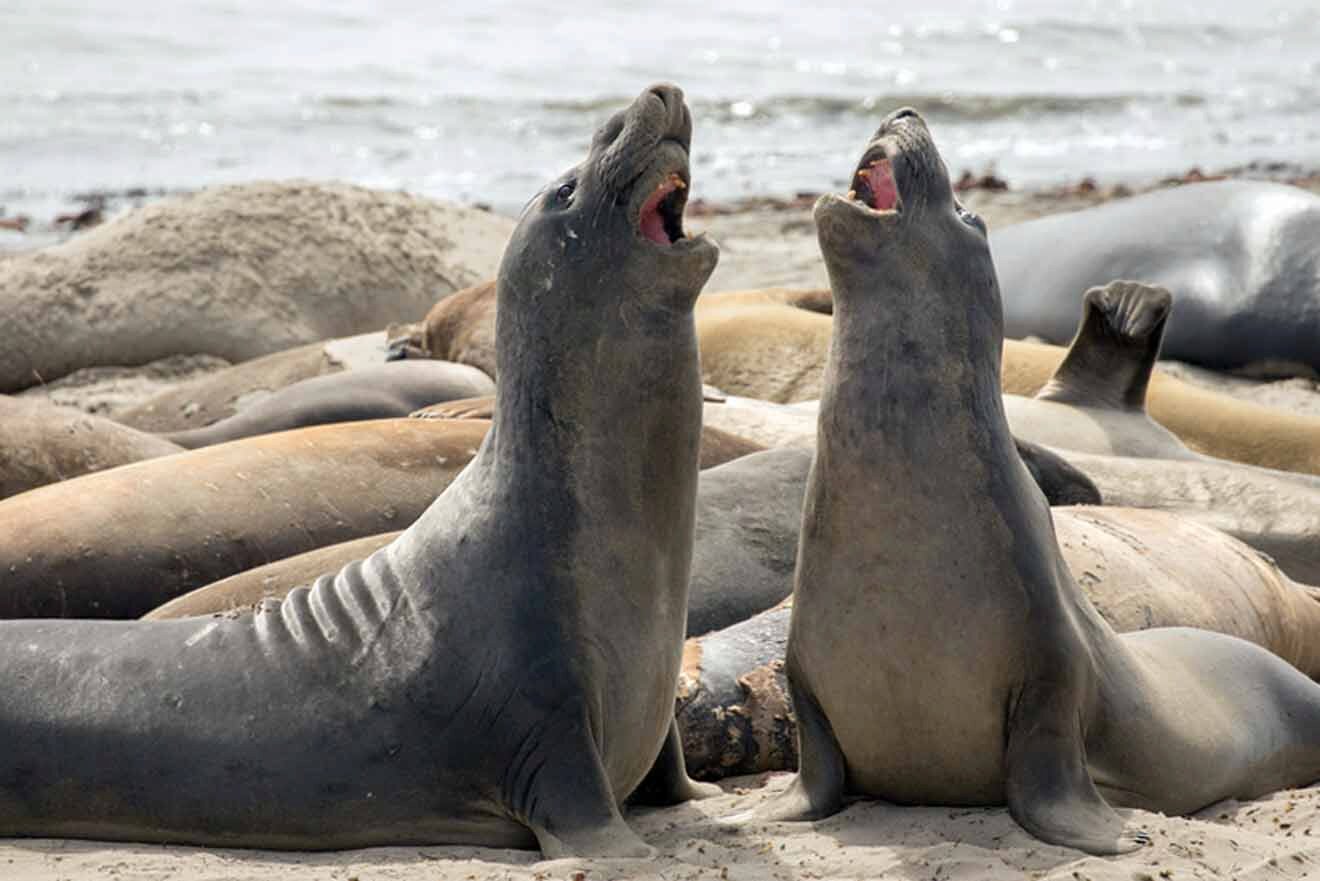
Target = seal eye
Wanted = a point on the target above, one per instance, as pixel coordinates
(971, 219)
(565, 191)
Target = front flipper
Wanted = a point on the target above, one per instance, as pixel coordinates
(817, 791)
(668, 782)
(1111, 358)
(1049, 789)
(568, 803)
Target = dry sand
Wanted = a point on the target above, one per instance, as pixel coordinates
(1273, 838)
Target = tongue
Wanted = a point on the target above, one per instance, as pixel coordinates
(653, 225)
(884, 192)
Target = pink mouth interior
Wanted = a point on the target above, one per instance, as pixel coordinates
(652, 224)
(880, 181)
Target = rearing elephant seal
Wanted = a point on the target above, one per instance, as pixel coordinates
(939, 651)
(419, 696)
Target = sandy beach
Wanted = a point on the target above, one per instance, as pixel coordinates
(1272, 838)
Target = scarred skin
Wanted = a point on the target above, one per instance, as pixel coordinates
(416, 697)
(43, 443)
(943, 654)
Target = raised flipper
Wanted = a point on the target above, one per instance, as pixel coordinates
(1060, 481)
(668, 782)
(1111, 358)
(1049, 789)
(817, 790)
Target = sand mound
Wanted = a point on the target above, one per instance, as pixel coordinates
(237, 272)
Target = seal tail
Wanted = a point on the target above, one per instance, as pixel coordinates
(1111, 358)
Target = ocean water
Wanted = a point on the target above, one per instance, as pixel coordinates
(483, 101)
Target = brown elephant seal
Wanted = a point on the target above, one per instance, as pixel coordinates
(461, 327)
(239, 272)
(455, 710)
(42, 443)
(119, 543)
(961, 591)
(1096, 400)
(381, 391)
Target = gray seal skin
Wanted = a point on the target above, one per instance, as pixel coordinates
(1096, 399)
(939, 651)
(1242, 258)
(380, 392)
(455, 709)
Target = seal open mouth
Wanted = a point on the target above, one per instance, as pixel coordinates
(874, 185)
(661, 217)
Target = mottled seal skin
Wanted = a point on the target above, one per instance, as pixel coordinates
(1096, 400)
(940, 652)
(1242, 258)
(380, 392)
(454, 710)
(43, 443)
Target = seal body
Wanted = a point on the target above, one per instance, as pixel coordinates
(1242, 258)
(42, 443)
(378, 392)
(962, 593)
(501, 674)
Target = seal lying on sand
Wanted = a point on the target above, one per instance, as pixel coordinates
(764, 349)
(456, 711)
(1242, 257)
(43, 443)
(119, 543)
(238, 272)
(922, 529)
(1096, 400)
(379, 392)
(747, 516)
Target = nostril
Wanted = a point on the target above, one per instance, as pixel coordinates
(669, 95)
(904, 113)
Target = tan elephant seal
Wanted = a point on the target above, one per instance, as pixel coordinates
(43, 443)
(418, 697)
(956, 586)
(239, 272)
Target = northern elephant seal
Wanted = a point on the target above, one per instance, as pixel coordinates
(43, 443)
(377, 392)
(1242, 258)
(236, 271)
(456, 711)
(747, 517)
(119, 543)
(1096, 400)
(953, 584)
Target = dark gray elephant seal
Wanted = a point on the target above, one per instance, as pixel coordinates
(455, 710)
(1242, 257)
(1096, 400)
(379, 392)
(947, 656)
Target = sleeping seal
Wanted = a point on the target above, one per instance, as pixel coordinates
(1242, 257)
(939, 651)
(419, 696)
